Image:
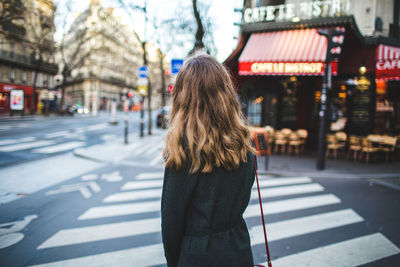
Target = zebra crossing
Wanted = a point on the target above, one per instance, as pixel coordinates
(141, 196)
(51, 143)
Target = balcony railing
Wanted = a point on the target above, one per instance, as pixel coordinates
(27, 61)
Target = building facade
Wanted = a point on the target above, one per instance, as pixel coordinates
(26, 55)
(280, 60)
(110, 54)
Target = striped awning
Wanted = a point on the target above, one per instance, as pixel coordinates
(293, 52)
(387, 62)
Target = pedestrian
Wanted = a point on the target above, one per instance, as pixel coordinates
(209, 171)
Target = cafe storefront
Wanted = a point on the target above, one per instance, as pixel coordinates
(278, 69)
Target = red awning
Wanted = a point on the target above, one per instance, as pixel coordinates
(294, 52)
(387, 62)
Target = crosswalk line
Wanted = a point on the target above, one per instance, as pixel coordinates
(150, 175)
(24, 146)
(156, 147)
(57, 134)
(287, 190)
(142, 149)
(280, 206)
(158, 158)
(96, 127)
(304, 225)
(135, 195)
(139, 257)
(59, 148)
(353, 252)
(283, 181)
(121, 209)
(141, 184)
(102, 232)
(252, 210)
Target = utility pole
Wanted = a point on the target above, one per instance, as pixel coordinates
(332, 53)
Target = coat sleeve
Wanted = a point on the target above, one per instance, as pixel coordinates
(177, 190)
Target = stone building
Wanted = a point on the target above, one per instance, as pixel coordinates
(26, 55)
(110, 54)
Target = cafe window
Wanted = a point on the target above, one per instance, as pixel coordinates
(255, 111)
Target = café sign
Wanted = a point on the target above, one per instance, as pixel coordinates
(289, 12)
(281, 68)
(388, 69)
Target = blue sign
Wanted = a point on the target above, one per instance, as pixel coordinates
(176, 65)
(143, 71)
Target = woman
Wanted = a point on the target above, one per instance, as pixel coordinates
(209, 171)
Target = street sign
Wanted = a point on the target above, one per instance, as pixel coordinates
(143, 72)
(142, 81)
(176, 65)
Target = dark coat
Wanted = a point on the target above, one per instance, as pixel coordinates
(202, 217)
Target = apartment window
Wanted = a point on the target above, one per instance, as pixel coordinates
(24, 77)
(11, 74)
(12, 50)
(17, 75)
(29, 77)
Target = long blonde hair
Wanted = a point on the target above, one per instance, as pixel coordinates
(206, 125)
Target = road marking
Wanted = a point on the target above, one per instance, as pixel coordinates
(143, 148)
(59, 148)
(283, 181)
(140, 257)
(158, 159)
(102, 232)
(304, 225)
(14, 141)
(17, 147)
(352, 252)
(129, 196)
(273, 207)
(121, 209)
(4, 127)
(287, 190)
(150, 175)
(156, 147)
(9, 231)
(141, 184)
(97, 127)
(83, 188)
(154, 206)
(111, 177)
(57, 134)
(90, 177)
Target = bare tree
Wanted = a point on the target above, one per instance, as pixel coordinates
(40, 27)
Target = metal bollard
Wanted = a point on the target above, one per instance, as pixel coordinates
(126, 130)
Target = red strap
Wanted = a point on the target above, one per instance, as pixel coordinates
(262, 215)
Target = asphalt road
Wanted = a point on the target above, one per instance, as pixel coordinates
(84, 213)
(23, 140)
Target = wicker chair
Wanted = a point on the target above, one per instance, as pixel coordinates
(280, 141)
(303, 134)
(354, 147)
(294, 143)
(367, 149)
(333, 146)
(388, 146)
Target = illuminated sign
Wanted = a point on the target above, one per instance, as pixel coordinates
(296, 12)
(17, 100)
(281, 68)
(388, 69)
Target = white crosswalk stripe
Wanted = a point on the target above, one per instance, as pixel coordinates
(24, 146)
(146, 192)
(59, 148)
(353, 252)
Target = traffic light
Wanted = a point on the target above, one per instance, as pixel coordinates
(335, 38)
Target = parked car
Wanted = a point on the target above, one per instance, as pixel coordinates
(163, 116)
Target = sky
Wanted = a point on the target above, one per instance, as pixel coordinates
(221, 11)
